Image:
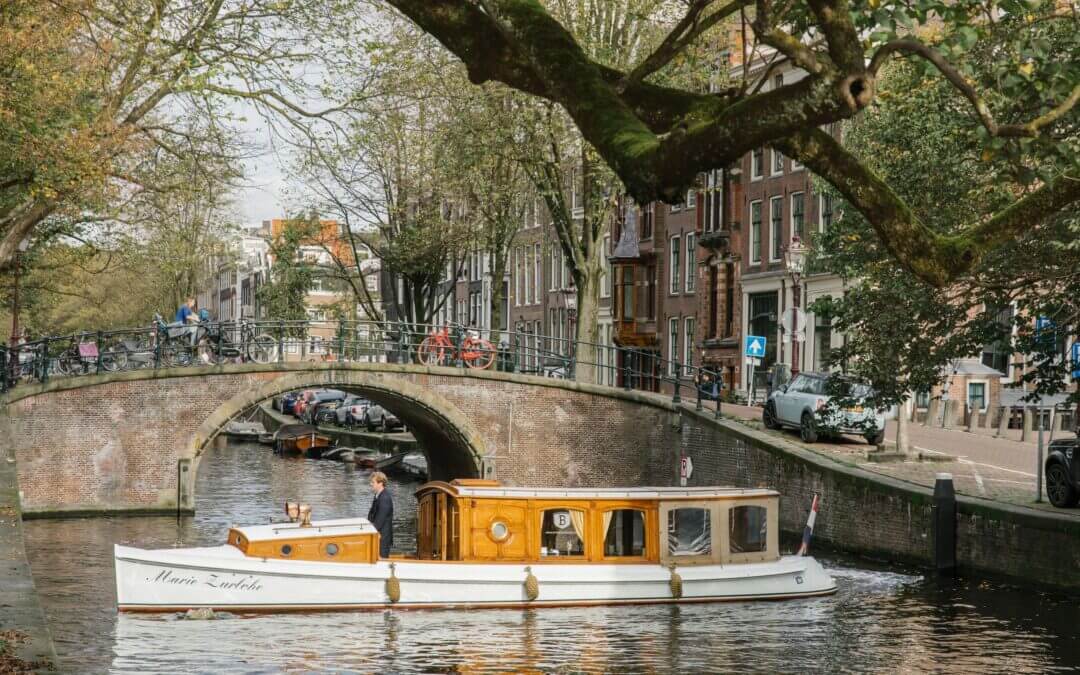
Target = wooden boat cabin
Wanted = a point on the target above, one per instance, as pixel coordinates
(482, 521)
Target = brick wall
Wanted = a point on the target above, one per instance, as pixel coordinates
(116, 444)
(871, 514)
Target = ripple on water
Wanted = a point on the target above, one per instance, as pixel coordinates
(880, 620)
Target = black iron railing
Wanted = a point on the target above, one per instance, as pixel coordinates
(207, 344)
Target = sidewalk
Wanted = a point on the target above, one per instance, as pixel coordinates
(999, 469)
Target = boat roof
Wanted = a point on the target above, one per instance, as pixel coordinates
(487, 488)
(319, 528)
(287, 430)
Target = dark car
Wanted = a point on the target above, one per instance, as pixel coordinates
(288, 402)
(1063, 472)
(321, 400)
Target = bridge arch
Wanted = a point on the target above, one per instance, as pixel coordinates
(453, 446)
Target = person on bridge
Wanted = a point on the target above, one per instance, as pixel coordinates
(381, 513)
(185, 315)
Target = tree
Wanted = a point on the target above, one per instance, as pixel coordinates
(283, 295)
(658, 138)
(903, 333)
(98, 89)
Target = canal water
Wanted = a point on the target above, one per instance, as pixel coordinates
(883, 619)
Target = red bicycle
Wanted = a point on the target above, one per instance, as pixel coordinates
(437, 349)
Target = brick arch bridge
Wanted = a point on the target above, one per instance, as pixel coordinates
(132, 441)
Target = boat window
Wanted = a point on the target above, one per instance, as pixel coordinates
(748, 529)
(625, 533)
(562, 532)
(689, 532)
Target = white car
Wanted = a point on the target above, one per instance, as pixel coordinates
(803, 404)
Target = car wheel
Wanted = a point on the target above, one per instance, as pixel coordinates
(768, 416)
(876, 438)
(1059, 489)
(808, 430)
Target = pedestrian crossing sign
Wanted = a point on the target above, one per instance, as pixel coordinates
(755, 346)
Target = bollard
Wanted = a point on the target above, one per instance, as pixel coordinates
(1003, 422)
(944, 524)
(931, 413)
(1025, 430)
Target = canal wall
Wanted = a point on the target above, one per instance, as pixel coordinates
(25, 640)
(877, 516)
(391, 443)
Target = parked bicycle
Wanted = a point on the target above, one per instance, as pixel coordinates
(437, 349)
(220, 342)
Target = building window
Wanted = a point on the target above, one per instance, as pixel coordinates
(624, 533)
(776, 228)
(691, 269)
(822, 341)
(625, 291)
(922, 400)
(528, 275)
(646, 222)
(777, 162)
(556, 265)
(689, 532)
(691, 198)
(538, 264)
(575, 195)
(757, 160)
(729, 299)
(650, 292)
(713, 201)
(605, 279)
(688, 345)
(517, 277)
(673, 344)
(675, 258)
(977, 396)
(826, 211)
(755, 233)
(798, 216)
(562, 532)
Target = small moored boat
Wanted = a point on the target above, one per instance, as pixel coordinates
(483, 545)
(301, 439)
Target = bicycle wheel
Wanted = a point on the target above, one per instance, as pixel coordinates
(262, 348)
(175, 354)
(205, 354)
(480, 355)
(114, 358)
(430, 352)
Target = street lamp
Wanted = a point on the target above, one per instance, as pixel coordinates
(19, 251)
(795, 261)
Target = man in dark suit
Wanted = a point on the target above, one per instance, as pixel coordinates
(381, 513)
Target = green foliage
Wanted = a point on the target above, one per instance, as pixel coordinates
(283, 295)
(902, 333)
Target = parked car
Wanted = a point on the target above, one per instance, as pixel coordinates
(288, 400)
(803, 404)
(322, 400)
(351, 411)
(1063, 472)
(380, 417)
(302, 401)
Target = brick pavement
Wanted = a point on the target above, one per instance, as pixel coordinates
(1000, 469)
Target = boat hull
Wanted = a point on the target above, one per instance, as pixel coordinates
(222, 578)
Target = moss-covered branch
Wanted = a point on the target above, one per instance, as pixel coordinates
(937, 258)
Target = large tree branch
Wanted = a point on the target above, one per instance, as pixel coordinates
(689, 29)
(961, 83)
(935, 257)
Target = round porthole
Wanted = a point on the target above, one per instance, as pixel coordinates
(286, 549)
(499, 531)
(331, 549)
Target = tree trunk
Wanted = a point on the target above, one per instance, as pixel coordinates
(587, 331)
(903, 442)
(498, 270)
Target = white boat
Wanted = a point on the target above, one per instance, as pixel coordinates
(483, 545)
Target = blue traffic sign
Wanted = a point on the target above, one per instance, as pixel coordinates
(755, 346)
(1076, 359)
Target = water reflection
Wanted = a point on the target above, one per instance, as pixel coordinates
(880, 620)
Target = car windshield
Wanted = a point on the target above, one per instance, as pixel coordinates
(859, 390)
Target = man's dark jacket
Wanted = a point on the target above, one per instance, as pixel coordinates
(381, 516)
